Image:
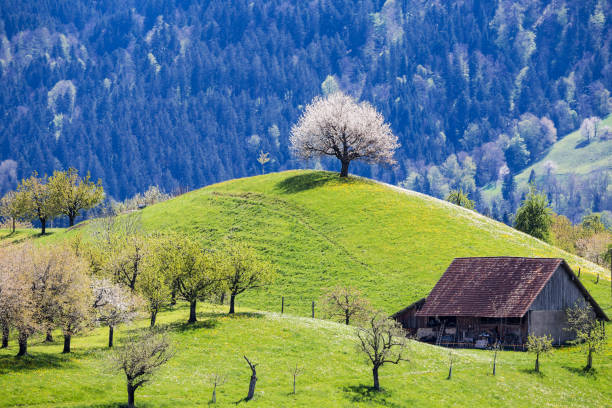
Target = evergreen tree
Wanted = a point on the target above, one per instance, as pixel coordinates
(534, 217)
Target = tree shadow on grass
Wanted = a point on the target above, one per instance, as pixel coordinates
(532, 371)
(581, 144)
(582, 371)
(35, 361)
(367, 394)
(186, 327)
(308, 181)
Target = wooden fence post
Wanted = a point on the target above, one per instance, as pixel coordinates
(313, 309)
(597, 281)
(282, 304)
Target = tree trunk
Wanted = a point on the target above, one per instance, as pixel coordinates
(111, 329)
(67, 338)
(173, 295)
(153, 317)
(232, 301)
(344, 169)
(43, 226)
(375, 375)
(589, 360)
(537, 365)
(13, 224)
(294, 384)
(192, 312)
(346, 317)
(49, 336)
(23, 345)
(6, 331)
(71, 220)
(252, 384)
(253, 381)
(131, 390)
(494, 362)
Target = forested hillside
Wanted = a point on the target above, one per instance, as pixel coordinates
(186, 93)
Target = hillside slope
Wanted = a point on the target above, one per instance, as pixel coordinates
(567, 156)
(319, 231)
(333, 374)
(570, 155)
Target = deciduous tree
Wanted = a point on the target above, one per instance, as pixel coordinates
(244, 271)
(10, 209)
(539, 345)
(382, 340)
(114, 305)
(590, 332)
(345, 303)
(74, 194)
(339, 126)
(196, 273)
(140, 357)
(36, 200)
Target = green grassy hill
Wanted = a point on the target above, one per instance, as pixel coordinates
(567, 156)
(320, 230)
(334, 375)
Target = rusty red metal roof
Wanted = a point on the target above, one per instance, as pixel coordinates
(489, 287)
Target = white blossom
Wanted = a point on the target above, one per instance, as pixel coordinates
(339, 126)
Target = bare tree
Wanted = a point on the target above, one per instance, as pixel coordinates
(114, 305)
(539, 346)
(216, 380)
(451, 360)
(345, 303)
(140, 357)
(590, 332)
(252, 381)
(496, 348)
(337, 125)
(295, 371)
(382, 340)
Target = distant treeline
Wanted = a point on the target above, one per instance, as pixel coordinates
(182, 93)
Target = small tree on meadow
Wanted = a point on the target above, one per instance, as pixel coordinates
(345, 303)
(458, 197)
(539, 345)
(382, 340)
(154, 283)
(74, 194)
(18, 306)
(140, 357)
(339, 126)
(216, 380)
(36, 200)
(10, 209)
(114, 305)
(590, 332)
(243, 271)
(263, 159)
(196, 273)
(534, 217)
(295, 372)
(62, 291)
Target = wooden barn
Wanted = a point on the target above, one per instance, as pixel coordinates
(479, 301)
